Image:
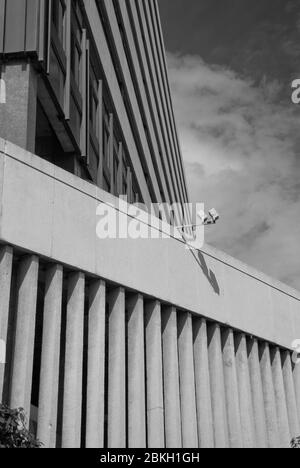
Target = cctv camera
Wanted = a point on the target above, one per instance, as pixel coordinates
(203, 216)
(214, 215)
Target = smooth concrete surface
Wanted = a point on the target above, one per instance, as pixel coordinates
(290, 393)
(246, 407)
(187, 382)
(56, 218)
(269, 397)
(49, 374)
(72, 399)
(231, 390)
(21, 382)
(116, 370)
(203, 388)
(154, 373)
(171, 379)
(6, 258)
(216, 373)
(280, 398)
(136, 373)
(296, 375)
(257, 395)
(95, 413)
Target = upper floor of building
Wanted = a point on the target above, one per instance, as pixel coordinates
(87, 89)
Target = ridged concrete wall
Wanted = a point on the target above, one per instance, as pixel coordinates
(154, 376)
(134, 344)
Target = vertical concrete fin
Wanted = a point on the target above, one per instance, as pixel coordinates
(217, 386)
(257, 395)
(116, 370)
(49, 376)
(282, 414)
(203, 390)
(6, 260)
(96, 366)
(296, 375)
(290, 394)
(231, 390)
(71, 432)
(269, 396)
(27, 285)
(246, 406)
(171, 379)
(187, 381)
(155, 399)
(136, 373)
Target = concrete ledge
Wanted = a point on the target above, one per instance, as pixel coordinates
(50, 212)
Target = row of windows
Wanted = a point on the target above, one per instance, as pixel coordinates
(87, 107)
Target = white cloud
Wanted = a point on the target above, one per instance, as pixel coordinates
(241, 148)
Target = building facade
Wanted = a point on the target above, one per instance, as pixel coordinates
(121, 343)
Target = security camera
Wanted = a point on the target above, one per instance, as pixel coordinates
(202, 216)
(214, 215)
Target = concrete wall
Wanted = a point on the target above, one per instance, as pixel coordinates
(52, 213)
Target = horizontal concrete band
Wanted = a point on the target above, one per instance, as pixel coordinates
(52, 213)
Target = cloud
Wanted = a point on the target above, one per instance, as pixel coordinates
(241, 147)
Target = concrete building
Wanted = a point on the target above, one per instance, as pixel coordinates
(121, 343)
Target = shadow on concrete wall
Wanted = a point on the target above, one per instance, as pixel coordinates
(209, 274)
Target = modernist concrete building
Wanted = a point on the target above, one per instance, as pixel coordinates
(121, 343)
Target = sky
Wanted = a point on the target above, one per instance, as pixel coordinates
(231, 65)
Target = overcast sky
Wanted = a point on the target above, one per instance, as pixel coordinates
(231, 64)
